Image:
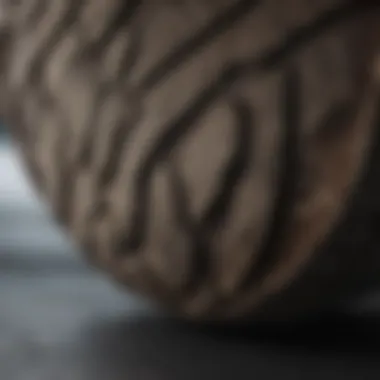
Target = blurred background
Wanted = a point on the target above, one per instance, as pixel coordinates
(25, 222)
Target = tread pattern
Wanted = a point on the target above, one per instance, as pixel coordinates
(183, 142)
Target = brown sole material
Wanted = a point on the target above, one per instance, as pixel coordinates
(219, 157)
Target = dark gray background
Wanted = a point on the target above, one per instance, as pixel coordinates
(61, 320)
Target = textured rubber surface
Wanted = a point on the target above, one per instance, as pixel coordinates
(200, 152)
